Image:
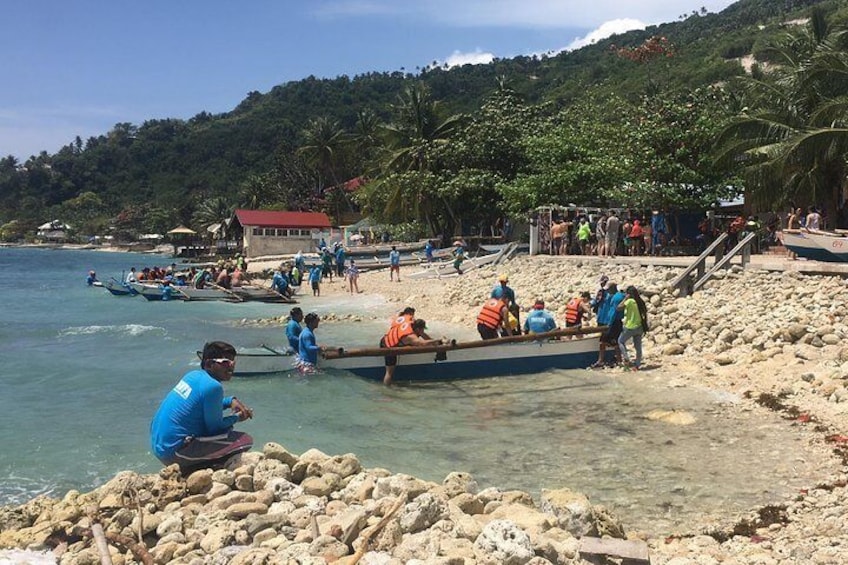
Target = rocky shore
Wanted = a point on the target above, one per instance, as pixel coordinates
(774, 339)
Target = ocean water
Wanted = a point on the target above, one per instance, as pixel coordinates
(83, 372)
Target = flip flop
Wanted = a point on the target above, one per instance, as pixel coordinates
(596, 366)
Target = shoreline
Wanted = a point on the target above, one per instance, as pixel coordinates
(773, 339)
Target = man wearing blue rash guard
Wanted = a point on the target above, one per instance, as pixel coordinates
(308, 348)
(293, 329)
(189, 427)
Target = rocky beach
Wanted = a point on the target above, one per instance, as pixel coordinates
(774, 339)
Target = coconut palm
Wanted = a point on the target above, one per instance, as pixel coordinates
(323, 147)
(793, 141)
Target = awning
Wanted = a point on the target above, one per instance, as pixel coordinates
(182, 230)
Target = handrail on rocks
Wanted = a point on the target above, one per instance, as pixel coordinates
(743, 247)
(715, 248)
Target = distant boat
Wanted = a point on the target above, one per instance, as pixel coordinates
(446, 269)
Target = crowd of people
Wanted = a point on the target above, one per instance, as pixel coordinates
(606, 234)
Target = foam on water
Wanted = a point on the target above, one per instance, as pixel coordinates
(126, 330)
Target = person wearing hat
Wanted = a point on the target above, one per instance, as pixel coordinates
(502, 291)
(405, 334)
(539, 320)
(91, 278)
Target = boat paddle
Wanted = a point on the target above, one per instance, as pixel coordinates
(339, 352)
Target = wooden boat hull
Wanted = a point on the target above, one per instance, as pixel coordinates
(800, 243)
(507, 359)
(117, 289)
(153, 293)
(834, 245)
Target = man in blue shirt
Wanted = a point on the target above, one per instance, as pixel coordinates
(610, 316)
(293, 329)
(91, 279)
(539, 320)
(341, 256)
(315, 279)
(280, 284)
(308, 347)
(394, 263)
(428, 251)
(501, 290)
(189, 427)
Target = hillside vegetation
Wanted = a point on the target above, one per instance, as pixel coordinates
(632, 120)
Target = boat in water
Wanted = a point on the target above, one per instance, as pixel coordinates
(507, 356)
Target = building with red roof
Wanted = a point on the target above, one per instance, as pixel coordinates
(268, 232)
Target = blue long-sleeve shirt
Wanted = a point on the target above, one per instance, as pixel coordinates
(293, 330)
(193, 408)
(308, 347)
(607, 312)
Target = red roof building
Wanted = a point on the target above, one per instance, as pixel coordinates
(267, 232)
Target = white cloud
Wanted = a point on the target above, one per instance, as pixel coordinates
(477, 57)
(605, 30)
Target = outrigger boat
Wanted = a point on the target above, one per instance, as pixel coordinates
(116, 288)
(506, 356)
(816, 246)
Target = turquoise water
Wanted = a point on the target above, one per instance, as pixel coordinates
(83, 372)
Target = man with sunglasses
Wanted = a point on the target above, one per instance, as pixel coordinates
(190, 427)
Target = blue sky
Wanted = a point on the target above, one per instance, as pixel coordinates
(79, 67)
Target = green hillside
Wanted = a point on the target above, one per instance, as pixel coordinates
(630, 120)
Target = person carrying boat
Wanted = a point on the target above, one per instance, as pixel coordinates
(459, 256)
(91, 278)
(539, 320)
(493, 318)
(202, 278)
(308, 347)
(189, 427)
(394, 263)
(578, 309)
(405, 334)
(502, 290)
(293, 329)
(280, 284)
(610, 316)
(635, 324)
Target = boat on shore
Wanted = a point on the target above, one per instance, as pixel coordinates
(446, 269)
(816, 245)
(506, 356)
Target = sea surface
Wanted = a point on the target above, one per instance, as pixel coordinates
(82, 372)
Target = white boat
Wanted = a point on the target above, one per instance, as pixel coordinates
(803, 244)
(517, 355)
(834, 244)
(446, 269)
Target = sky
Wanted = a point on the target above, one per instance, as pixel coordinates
(79, 67)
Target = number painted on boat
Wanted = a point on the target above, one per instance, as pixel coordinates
(837, 243)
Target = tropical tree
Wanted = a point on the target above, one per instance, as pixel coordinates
(212, 211)
(322, 148)
(792, 138)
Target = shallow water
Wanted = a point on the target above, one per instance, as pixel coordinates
(84, 372)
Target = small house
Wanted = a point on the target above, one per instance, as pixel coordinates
(53, 232)
(267, 232)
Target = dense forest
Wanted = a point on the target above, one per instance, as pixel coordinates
(677, 115)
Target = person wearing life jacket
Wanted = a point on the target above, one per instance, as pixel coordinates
(578, 309)
(493, 317)
(404, 334)
(405, 315)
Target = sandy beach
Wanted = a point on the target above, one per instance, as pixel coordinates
(776, 340)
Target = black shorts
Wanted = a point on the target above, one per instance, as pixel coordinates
(486, 332)
(610, 337)
(210, 452)
(578, 324)
(391, 360)
(314, 285)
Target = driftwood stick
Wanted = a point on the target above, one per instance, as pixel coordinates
(138, 549)
(368, 537)
(102, 546)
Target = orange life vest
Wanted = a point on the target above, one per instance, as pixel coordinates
(573, 311)
(490, 315)
(401, 319)
(396, 333)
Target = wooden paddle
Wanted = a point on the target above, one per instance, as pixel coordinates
(337, 353)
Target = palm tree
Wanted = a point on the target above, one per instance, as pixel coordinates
(323, 147)
(212, 211)
(793, 144)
